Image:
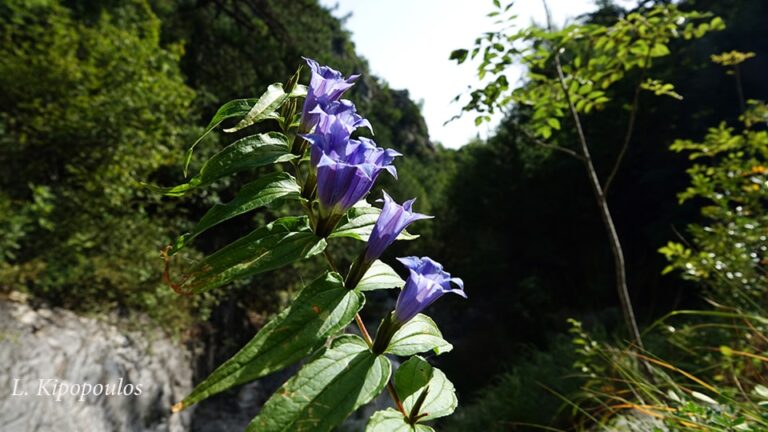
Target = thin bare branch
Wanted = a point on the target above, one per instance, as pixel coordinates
(547, 145)
(630, 125)
(605, 213)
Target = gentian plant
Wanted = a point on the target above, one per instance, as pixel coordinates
(328, 174)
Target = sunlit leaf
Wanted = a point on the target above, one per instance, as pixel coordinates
(278, 244)
(252, 196)
(320, 310)
(326, 390)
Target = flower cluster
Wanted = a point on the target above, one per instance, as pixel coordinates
(345, 170)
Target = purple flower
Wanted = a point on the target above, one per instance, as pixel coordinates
(336, 122)
(326, 85)
(343, 111)
(394, 218)
(346, 175)
(427, 282)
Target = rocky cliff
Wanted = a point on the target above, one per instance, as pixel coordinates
(63, 372)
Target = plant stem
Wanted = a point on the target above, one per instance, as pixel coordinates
(329, 259)
(367, 337)
(546, 145)
(627, 139)
(630, 125)
(605, 214)
(308, 187)
(363, 330)
(393, 394)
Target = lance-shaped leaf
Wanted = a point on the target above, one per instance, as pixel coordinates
(231, 109)
(278, 244)
(321, 309)
(256, 194)
(247, 153)
(416, 376)
(390, 420)
(380, 276)
(359, 221)
(241, 108)
(326, 390)
(264, 108)
(418, 335)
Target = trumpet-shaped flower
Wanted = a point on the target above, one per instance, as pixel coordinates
(325, 85)
(347, 175)
(336, 122)
(394, 218)
(426, 283)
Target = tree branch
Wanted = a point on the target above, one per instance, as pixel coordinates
(546, 145)
(605, 213)
(627, 138)
(630, 125)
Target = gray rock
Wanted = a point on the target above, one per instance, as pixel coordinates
(76, 353)
(62, 348)
(636, 421)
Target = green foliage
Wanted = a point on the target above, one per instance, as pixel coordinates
(247, 153)
(87, 107)
(732, 58)
(326, 390)
(591, 57)
(268, 248)
(259, 193)
(379, 276)
(321, 309)
(708, 369)
(97, 95)
(390, 420)
(697, 386)
(417, 336)
(426, 394)
(727, 252)
(425, 391)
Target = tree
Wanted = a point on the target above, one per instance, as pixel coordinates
(88, 106)
(569, 74)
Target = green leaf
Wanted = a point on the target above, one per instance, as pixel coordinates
(321, 309)
(359, 221)
(278, 244)
(391, 420)
(379, 276)
(414, 377)
(233, 108)
(460, 55)
(411, 378)
(256, 194)
(264, 108)
(553, 123)
(418, 335)
(247, 153)
(659, 50)
(325, 391)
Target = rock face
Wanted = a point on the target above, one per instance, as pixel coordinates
(51, 361)
(61, 361)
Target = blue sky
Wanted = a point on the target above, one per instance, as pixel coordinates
(407, 43)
